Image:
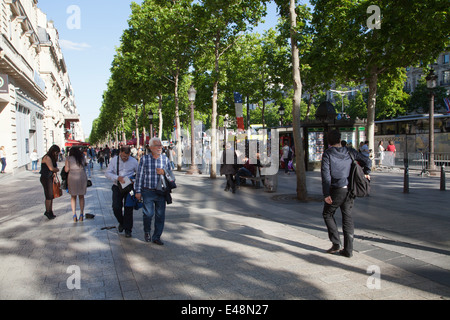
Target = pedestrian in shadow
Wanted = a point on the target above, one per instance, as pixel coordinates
(229, 167)
(335, 170)
(49, 168)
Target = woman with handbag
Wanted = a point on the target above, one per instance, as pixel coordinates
(48, 170)
(76, 181)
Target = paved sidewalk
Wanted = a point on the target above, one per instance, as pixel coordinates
(219, 245)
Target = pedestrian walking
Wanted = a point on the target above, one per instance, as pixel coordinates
(34, 157)
(121, 167)
(101, 158)
(287, 156)
(49, 168)
(207, 160)
(77, 180)
(87, 159)
(335, 170)
(92, 154)
(3, 158)
(390, 154)
(381, 152)
(107, 152)
(229, 167)
(152, 168)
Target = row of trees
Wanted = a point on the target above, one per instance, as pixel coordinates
(171, 45)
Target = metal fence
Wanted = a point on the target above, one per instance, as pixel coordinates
(416, 161)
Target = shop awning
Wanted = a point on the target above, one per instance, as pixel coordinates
(71, 143)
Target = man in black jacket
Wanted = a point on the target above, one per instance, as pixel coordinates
(335, 170)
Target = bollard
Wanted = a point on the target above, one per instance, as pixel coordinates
(443, 178)
(406, 178)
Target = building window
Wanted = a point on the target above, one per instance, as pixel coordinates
(446, 77)
(446, 58)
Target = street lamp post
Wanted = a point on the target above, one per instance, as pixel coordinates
(342, 93)
(193, 169)
(431, 84)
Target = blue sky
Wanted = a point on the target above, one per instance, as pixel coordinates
(89, 47)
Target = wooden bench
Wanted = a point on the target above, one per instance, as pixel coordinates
(257, 179)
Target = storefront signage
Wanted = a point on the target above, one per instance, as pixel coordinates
(4, 84)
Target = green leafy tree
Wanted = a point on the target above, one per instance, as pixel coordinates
(354, 50)
(164, 36)
(298, 17)
(219, 24)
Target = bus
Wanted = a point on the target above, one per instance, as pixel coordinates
(411, 133)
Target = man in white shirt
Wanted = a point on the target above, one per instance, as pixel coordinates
(120, 167)
(286, 150)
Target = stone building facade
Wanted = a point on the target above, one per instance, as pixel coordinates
(37, 102)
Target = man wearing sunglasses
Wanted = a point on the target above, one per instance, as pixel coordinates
(150, 170)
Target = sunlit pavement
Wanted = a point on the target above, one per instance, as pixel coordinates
(219, 245)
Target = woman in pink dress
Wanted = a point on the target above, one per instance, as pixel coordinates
(76, 181)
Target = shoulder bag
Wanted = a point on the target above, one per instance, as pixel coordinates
(57, 192)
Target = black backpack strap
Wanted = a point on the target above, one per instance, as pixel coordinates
(351, 177)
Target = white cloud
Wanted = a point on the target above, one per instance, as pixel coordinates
(69, 45)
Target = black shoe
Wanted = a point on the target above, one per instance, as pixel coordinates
(127, 234)
(345, 253)
(147, 237)
(335, 248)
(49, 215)
(52, 214)
(158, 242)
(120, 227)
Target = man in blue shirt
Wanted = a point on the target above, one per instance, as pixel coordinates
(150, 170)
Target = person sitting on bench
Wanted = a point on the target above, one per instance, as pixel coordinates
(248, 170)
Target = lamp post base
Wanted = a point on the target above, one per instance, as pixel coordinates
(193, 170)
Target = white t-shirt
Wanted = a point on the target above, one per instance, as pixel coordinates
(286, 152)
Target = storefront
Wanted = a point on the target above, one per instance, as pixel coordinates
(314, 137)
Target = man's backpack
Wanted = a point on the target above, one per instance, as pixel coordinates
(358, 184)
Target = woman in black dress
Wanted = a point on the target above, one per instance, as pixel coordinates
(48, 168)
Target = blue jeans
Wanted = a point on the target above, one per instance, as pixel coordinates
(87, 169)
(154, 205)
(242, 172)
(34, 165)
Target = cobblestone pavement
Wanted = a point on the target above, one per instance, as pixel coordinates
(219, 245)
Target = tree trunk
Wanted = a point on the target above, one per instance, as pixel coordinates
(213, 171)
(144, 115)
(160, 129)
(178, 129)
(136, 122)
(300, 155)
(124, 137)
